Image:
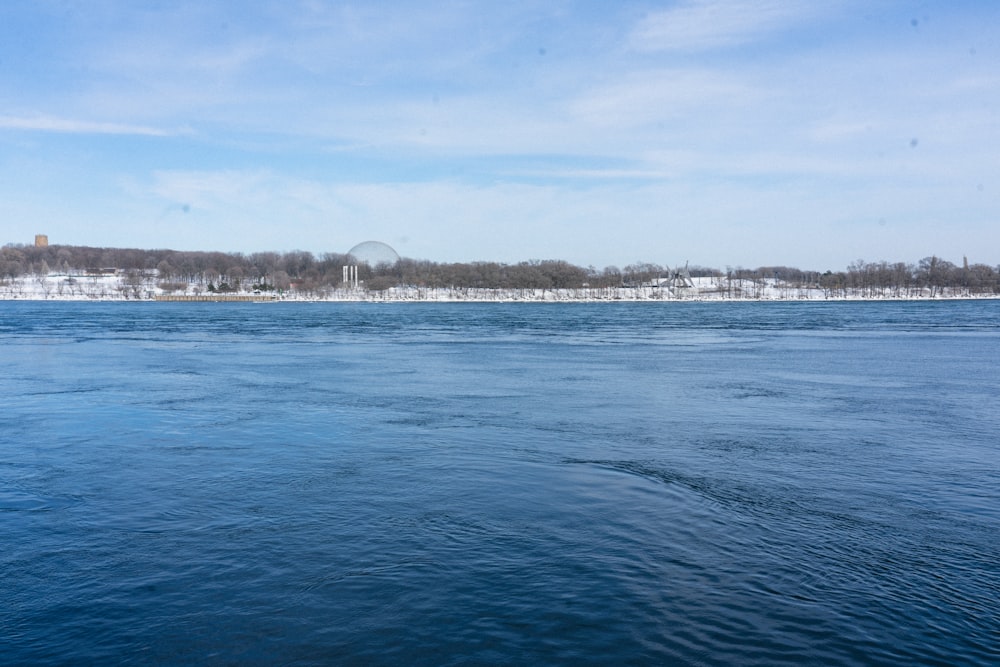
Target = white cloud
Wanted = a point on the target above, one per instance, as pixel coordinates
(836, 130)
(73, 126)
(698, 25)
(647, 96)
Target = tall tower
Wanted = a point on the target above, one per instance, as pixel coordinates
(41, 240)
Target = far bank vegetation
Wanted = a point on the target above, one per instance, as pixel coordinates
(314, 275)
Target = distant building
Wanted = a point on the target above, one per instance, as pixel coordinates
(41, 240)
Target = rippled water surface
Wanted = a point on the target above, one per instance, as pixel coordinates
(705, 484)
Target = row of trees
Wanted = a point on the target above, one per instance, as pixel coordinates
(930, 276)
(192, 266)
(304, 271)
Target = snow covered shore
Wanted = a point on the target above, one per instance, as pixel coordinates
(63, 287)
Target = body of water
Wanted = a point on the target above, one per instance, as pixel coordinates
(433, 484)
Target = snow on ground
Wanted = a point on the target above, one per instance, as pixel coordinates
(123, 287)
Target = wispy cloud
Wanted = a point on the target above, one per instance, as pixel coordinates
(643, 97)
(73, 126)
(207, 189)
(699, 25)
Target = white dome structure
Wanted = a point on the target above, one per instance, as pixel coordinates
(373, 253)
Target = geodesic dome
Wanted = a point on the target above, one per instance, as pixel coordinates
(373, 253)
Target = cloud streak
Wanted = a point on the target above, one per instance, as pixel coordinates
(700, 25)
(74, 126)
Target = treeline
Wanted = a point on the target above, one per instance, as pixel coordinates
(929, 277)
(233, 270)
(301, 270)
(305, 271)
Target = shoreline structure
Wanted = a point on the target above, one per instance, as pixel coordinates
(64, 287)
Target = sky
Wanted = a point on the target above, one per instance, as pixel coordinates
(724, 133)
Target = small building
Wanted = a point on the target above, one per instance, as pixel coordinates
(41, 240)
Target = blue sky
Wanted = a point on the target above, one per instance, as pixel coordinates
(720, 132)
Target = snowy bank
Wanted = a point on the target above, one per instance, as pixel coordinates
(131, 287)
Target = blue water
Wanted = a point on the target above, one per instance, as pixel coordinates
(431, 484)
